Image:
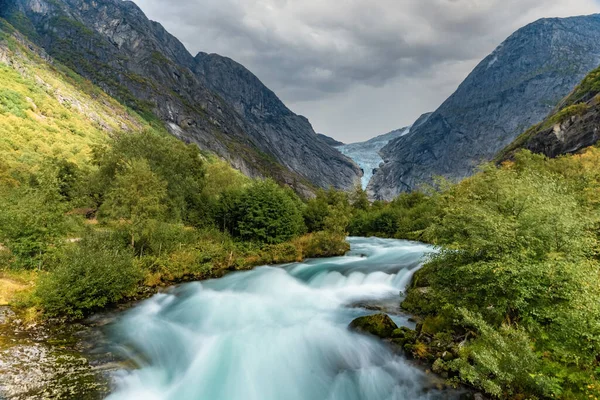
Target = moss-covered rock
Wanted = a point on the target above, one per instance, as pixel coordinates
(403, 336)
(380, 325)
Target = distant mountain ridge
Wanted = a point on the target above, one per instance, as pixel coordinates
(208, 99)
(513, 88)
(330, 141)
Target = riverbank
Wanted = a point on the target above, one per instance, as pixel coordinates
(275, 333)
(51, 358)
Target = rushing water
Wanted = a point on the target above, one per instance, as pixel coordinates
(276, 333)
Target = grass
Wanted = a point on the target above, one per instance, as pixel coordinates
(15, 285)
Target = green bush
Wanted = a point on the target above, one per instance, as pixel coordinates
(89, 276)
(518, 254)
(406, 217)
(263, 212)
(32, 221)
(12, 102)
(179, 165)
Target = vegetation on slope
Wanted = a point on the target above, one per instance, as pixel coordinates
(97, 205)
(511, 302)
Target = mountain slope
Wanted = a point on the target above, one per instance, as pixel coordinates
(513, 88)
(137, 61)
(289, 137)
(329, 140)
(49, 113)
(572, 126)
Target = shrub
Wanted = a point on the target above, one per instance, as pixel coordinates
(89, 276)
(180, 166)
(263, 212)
(32, 222)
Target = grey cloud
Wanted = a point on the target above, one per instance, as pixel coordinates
(321, 51)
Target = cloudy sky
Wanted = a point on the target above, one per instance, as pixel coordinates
(355, 68)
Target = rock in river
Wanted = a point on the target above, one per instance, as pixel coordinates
(380, 325)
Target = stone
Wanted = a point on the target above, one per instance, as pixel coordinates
(380, 325)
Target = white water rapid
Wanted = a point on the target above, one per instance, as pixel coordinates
(276, 333)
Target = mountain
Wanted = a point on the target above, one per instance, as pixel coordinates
(329, 140)
(366, 154)
(572, 126)
(513, 88)
(49, 113)
(210, 100)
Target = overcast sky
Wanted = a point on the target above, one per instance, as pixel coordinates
(355, 68)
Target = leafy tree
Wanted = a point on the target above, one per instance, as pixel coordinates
(262, 212)
(32, 219)
(137, 196)
(359, 198)
(181, 166)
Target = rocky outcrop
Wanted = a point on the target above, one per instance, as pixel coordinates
(380, 325)
(513, 88)
(329, 140)
(287, 136)
(207, 99)
(573, 126)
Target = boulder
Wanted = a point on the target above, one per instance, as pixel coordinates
(380, 325)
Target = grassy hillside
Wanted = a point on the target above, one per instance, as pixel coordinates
(97, 204)
(47, 111)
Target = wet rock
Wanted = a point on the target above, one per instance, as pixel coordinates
(380, 325)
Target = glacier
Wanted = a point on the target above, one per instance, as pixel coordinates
(366, 154)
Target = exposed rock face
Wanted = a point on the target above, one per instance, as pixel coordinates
(573, 126)
(289, 137)
(209, 100)
(570, 136)
(329, 140)
(380, 325)
(513, 88)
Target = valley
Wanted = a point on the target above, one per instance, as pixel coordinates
(170, 229)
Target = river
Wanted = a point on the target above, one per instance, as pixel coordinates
(276, 333)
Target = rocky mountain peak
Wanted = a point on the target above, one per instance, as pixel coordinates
(511, 89)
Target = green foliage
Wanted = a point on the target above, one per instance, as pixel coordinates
(89, 276)
(32, 220)
(518, 254)
(589, 87)
(262, 212)
(137, 196)
(405, 218)
(12, 102)
(503, 362)
(330, 210)
(179, 165)
(568, 112)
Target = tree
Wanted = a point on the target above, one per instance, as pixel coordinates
(179, 165)
(137, 196)
(32, 219)
(262, 212)
(359, 198)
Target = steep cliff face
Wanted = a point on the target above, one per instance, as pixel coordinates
(137, 61)
(330, 141)
(513, 88)
(572, 126)
(289, 137)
